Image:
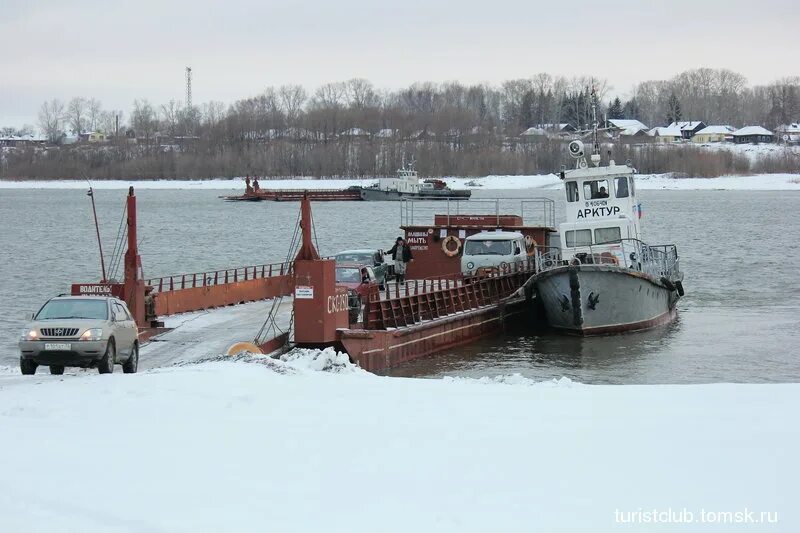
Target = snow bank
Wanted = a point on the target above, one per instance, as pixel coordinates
(760, 182)
(765, 182)
(225, 446)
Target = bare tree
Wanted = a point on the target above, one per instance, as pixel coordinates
(360, 93)
(107, 123)
(93, 111)
(143, 120)
(292, 98)
(171, 116)
(77, 115)
(51, 117)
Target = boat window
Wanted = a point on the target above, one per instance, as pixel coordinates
(487, 247)
(580, 237)
(572, 191)
(605, 235)
(593, 190)
(622, 187)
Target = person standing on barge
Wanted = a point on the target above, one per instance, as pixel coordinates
(401, 254)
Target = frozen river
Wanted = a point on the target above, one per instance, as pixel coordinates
(739, 321)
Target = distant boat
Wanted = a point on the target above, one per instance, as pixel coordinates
(408, 185)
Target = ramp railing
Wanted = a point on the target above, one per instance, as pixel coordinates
(417, 301)
(218, 277)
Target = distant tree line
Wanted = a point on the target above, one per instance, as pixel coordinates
(351, 128)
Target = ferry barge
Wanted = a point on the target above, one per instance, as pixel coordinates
(439, 309)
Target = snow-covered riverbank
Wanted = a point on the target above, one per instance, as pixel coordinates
(765, 182)
(313, 444)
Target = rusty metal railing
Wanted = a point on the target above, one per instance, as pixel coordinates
(532, 211)
(417, 301)
(219, 277)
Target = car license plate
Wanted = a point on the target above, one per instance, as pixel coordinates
(58, 346)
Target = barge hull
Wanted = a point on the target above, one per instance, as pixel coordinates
(376, 350)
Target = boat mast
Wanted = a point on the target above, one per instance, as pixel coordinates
(596, 148)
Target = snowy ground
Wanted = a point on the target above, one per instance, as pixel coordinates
(289, 446)
(201, 442)
(548, 181)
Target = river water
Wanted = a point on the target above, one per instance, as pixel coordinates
(739, 320)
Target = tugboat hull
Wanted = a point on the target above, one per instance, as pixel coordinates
(374, 194)
(601, 299)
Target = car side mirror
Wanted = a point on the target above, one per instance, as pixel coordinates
(517, 250)
(28, 316)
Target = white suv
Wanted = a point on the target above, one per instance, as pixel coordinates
(83, 331)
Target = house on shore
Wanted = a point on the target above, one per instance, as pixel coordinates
(626, 129)
(558, 131)
(753, 134)
(689, 127)
(533, 134)
(713, 134)
(661, 134)
(23, 141)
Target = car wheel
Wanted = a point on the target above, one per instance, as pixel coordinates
(106, 365)
(27, 367)
(56, 370)
(132, 364)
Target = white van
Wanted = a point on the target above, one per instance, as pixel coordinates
(492, 249)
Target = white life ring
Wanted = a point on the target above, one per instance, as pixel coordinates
(445, 248)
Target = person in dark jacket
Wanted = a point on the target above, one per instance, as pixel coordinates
(401, 254)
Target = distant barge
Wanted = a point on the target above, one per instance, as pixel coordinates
(405, 186)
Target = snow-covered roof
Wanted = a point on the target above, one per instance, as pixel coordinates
(660, 131)
(533, 132)
(626, 124)
(385, 133)
(794, 127)
(751, 130)
(557, 127)
(715, 130)
(30, 137)
(355, 132)
(633, 130)
(686, 125)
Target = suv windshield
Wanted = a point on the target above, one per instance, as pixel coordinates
(73, 308)
(487, 247)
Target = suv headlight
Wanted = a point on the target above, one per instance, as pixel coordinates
(29, 335)
(94, 334)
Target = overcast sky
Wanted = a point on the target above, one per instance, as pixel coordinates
(117, 51)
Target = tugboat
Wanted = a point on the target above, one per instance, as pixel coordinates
(407, 185)
(603, 278)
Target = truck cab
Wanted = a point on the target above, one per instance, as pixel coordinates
(490, 249)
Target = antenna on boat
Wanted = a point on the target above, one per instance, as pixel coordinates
(596, 148)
